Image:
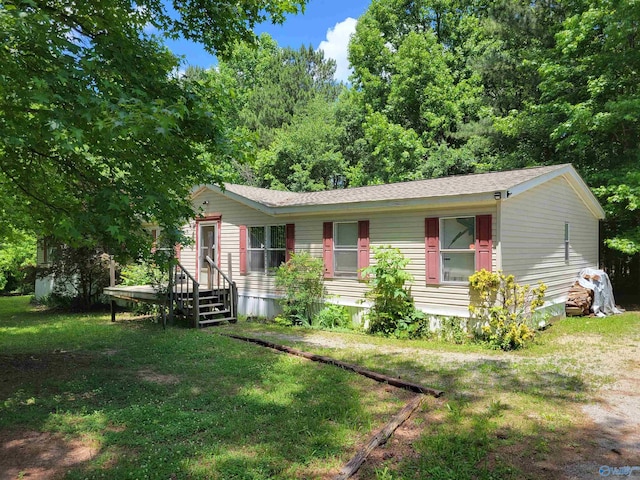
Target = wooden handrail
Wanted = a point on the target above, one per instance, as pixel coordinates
(184, 270)
(213, 265)
(231, 298)
(175, 267)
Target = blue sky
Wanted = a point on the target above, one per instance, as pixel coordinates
(326, 24)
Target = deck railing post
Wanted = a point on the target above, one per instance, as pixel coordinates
(112, 271)
(196, 306)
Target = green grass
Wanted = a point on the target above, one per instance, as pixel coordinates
(182, 403)
(504, 415)
(193, 404)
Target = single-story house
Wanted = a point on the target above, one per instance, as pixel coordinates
(539, 224)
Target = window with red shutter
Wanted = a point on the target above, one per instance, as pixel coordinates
(243, 249)
(484, 243)
(455, 247)
(290, 242)
(363, 246)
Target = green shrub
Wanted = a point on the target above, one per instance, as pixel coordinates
(144, 273)
(17, 261)
(393, 310)
(80, 273)
(300, 281)
(504, 308)
(452, 330)
(419, 327)
(332, 316)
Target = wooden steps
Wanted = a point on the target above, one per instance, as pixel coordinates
(214, 306)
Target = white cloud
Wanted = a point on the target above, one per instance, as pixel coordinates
(336, 46)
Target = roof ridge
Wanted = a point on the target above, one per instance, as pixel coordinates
(468, 184)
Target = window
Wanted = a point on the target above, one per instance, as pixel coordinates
(345, 249)
(266, 248)
(457, 248)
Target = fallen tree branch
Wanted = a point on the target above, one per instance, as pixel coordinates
(396, 382)
(379, 438)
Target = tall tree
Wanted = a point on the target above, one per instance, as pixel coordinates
(589, 114)
(304, 156)
(281, 83)
(94, 119)
(410, 65)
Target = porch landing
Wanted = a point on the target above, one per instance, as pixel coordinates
(136, 293)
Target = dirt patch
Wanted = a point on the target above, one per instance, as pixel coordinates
(159, 378)
(41, 456)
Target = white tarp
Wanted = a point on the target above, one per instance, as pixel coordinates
(598, 281)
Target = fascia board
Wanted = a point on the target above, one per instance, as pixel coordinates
(244, 200)
(574, 180)
(473, 200)
(587, 196)
(198, 190)
(481, 199)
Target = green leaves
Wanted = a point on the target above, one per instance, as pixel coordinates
(101, 134)
(392, 311)
(301, 283)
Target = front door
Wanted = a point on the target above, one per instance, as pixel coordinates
(207, 249)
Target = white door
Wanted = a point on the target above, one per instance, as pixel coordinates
(208, 248)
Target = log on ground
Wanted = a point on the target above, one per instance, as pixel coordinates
(379, 438)
(379, 377)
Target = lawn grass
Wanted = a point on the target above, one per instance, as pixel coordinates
(504, 415)
(179, 403)
(194, 404)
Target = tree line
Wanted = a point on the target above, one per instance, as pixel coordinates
(445, 87)
(439, 87)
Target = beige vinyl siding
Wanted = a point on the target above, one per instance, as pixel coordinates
(233, 214)
(532, 233)
(404, 230)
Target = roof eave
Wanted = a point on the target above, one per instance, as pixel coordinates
(261, 207)
(573, 178)
(479, 199)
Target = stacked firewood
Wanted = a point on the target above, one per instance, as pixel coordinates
(579, 301)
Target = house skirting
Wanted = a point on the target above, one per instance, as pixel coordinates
(265, 305)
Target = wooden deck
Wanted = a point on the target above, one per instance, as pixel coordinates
(136, 293)
(206, 306)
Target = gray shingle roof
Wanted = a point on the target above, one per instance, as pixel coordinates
(437, 187)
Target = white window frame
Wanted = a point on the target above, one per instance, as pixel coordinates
(265, 248)
(340, 248)
(444, 251)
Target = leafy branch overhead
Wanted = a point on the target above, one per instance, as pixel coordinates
(98, 131)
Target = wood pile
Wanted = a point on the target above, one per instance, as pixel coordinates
(579, 301)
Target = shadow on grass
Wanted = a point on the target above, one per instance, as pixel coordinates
(499, 418)
(180, 404)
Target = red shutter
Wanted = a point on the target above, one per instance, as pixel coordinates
(484, 242)
(327, 248)
(290, 240)
(432, 250)
(243, 249)
(363, 246)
